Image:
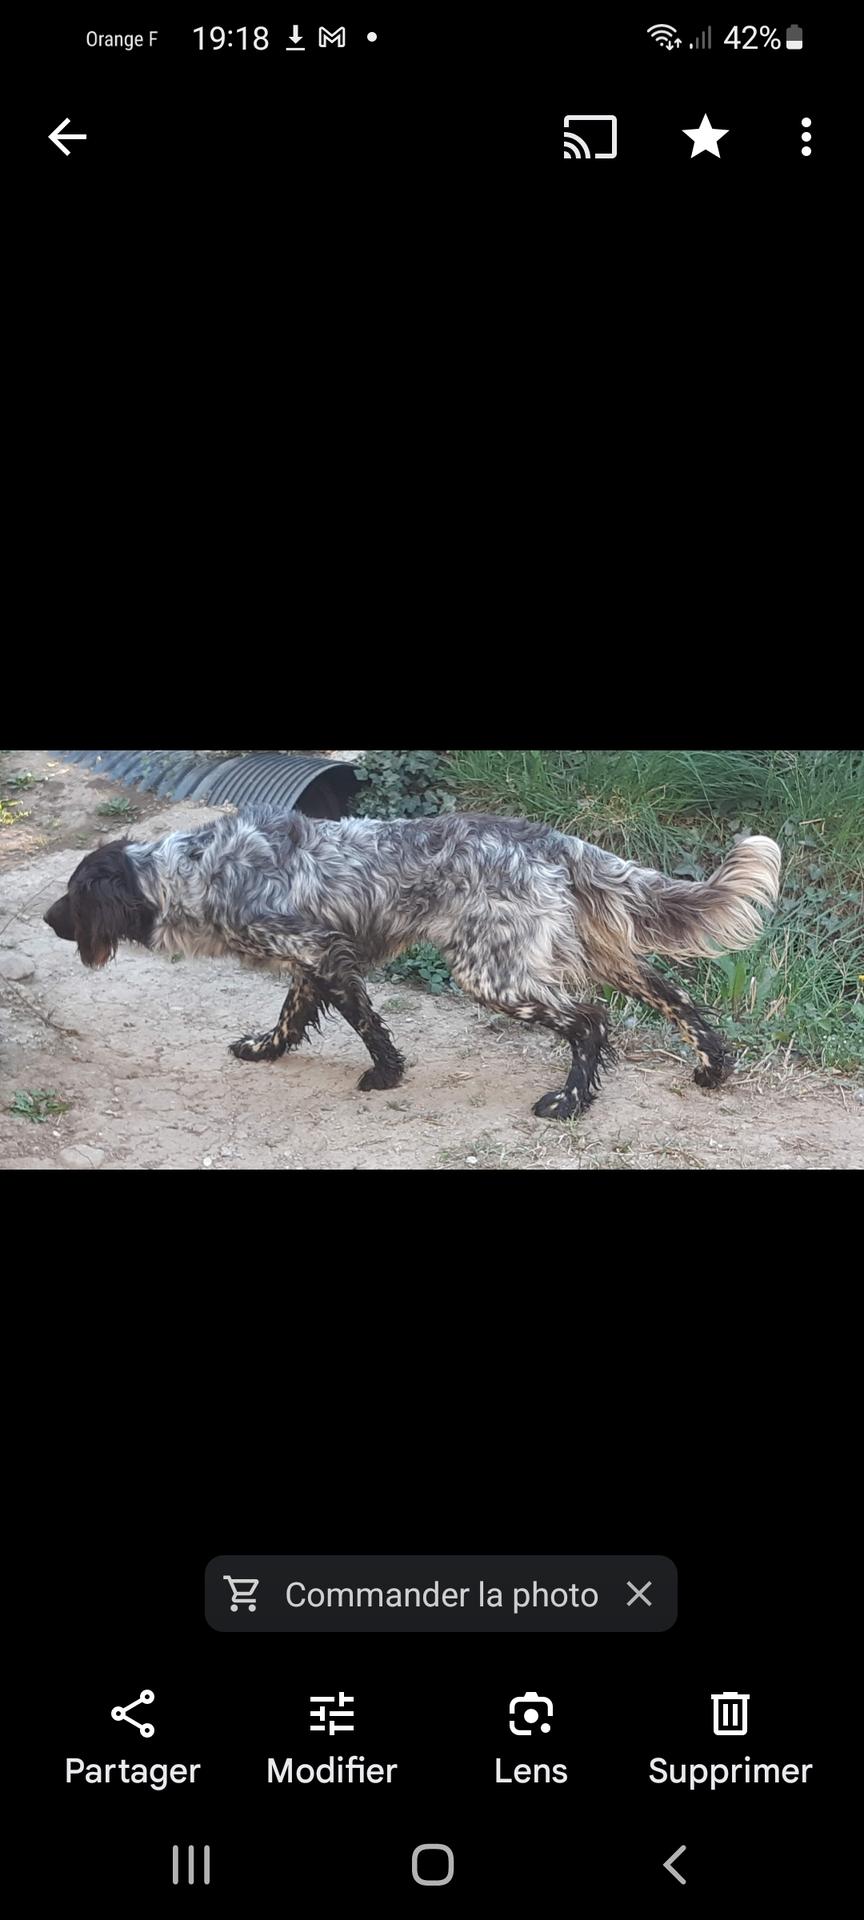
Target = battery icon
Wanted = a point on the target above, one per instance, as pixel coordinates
(794, 39)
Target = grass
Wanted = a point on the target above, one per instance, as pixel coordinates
(483, 1152)
(801, 987)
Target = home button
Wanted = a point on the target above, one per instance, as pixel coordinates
(437, 1878)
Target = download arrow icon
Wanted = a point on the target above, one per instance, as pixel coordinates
(55, 136)
(296, 36)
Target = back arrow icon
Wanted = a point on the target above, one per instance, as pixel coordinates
(673, 1870)
(55, 136)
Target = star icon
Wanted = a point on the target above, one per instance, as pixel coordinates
(705, 138)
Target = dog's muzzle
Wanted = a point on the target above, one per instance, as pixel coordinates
(59, 919)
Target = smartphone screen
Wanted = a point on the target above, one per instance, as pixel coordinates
(279, 1722)
(659, 97)
(195, 108)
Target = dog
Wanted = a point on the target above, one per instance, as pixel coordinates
(528, 920)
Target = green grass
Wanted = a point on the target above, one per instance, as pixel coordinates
(801, 987)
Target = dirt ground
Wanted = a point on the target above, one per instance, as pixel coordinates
(139, 1054)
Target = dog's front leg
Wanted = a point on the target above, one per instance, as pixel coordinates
(304, 1005)
(330, 959)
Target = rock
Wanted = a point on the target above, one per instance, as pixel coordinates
(207, 1163)
(75, 1157)
(25, 1166)
(471, 1160)
(15, 966)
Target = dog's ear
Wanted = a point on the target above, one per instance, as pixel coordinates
(107, 905)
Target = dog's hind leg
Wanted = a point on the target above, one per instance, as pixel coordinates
(304, 1005)
(715, 1060)
(587, 1029)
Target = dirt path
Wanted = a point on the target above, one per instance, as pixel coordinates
(139, 1053)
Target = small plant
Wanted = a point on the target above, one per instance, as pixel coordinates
(399, 786)
(11, 813)
(38, 1106)
(424, 964)
(19, 782)
(118, 809)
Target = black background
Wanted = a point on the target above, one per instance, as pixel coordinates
(723, 1492)
(242, 129)
(759, 96)
(437, 104)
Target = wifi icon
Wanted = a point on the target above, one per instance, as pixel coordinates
(665, 36)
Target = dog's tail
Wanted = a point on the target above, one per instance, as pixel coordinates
(683, 918)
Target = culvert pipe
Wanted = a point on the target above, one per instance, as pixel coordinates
(324, 789)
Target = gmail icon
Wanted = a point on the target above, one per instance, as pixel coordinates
(327, 39)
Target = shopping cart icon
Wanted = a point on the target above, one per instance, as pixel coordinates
(241, 1592)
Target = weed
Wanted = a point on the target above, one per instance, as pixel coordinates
(19, 782)
(398, 786)
(424, 964)
(37, 1106)
(118, 809)
(12, 813)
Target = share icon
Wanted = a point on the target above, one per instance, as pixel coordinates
(145, 1727)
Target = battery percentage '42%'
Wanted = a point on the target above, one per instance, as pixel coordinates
(768, 36)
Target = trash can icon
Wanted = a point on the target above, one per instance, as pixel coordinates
(730, 1712)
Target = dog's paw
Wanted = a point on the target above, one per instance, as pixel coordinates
(381, 1077)
(557, 1106)
(710, 1078)
(257, 1046)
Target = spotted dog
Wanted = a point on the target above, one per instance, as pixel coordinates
(529, 921)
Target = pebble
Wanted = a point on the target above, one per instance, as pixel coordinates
(74, 1157)
(471, 1160)
(15, 966)
(207, 1163)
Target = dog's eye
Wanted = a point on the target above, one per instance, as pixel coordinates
(196, 853)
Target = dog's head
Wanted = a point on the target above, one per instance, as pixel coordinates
(103, 904)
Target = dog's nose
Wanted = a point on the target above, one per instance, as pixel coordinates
(57, 918)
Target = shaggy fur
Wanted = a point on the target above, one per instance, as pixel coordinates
(529, 920)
